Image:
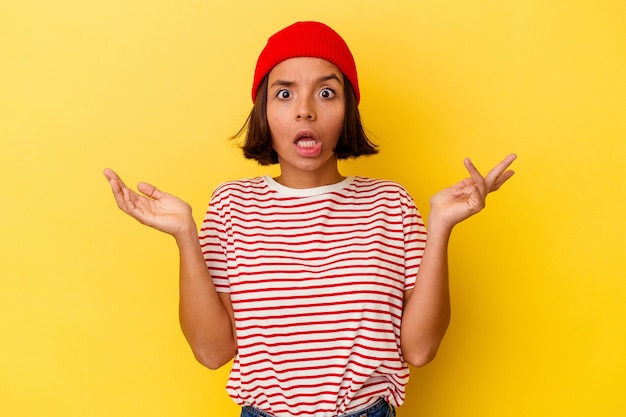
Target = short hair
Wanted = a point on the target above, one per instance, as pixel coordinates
(353, 141)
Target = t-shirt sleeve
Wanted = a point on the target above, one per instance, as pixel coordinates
(414, 240)
(213, 237)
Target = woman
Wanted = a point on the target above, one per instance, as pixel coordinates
(321, 287)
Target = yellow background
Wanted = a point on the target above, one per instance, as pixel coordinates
(153, 89)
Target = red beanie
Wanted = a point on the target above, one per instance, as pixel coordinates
(306, 39)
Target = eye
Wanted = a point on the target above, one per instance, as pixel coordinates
(283, 94)
(327, 93)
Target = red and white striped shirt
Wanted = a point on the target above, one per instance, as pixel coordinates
(316, 278)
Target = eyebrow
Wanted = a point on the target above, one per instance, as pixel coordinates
(329, 77)
(319, 80)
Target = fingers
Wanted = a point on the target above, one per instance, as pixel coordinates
(476, 177)
(502, 179)
(125, 198)
(110, 174)
(113, 178)
(117, 186)
(475, 200)
(150, 190)
(499, 175)
(495, 178)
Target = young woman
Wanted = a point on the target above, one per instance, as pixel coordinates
(321, 287)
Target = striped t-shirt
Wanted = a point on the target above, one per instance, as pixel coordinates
(316, 279)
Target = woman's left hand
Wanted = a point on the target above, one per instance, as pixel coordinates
(466, 198)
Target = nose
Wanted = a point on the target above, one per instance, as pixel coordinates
(305, 109)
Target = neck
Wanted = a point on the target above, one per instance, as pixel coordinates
(308, 179)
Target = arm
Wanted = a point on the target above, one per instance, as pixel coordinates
(426, 312)
(206, 317)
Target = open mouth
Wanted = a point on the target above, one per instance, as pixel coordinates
(306, 142)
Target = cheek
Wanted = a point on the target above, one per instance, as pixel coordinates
(275, 119)
(275, 130)
(277, 134)
(338, 126)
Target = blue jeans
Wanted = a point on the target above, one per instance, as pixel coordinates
(380, 408)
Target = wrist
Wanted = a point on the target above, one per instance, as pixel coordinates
(439, 227)
(187, 233)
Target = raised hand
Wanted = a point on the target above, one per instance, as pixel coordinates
(466, 198)
(152, 207)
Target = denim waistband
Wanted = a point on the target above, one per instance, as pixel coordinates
(373, 410)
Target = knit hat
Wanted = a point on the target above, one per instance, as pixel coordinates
(306, 39)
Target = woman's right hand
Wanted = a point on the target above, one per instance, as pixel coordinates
(152, 207)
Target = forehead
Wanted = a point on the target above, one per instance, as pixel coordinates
(305, 67)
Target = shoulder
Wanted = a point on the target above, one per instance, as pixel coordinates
(241, 192)
(377, 186)
(383, 192)
(242, 186)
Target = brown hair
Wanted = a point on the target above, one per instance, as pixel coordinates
(257, 145)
